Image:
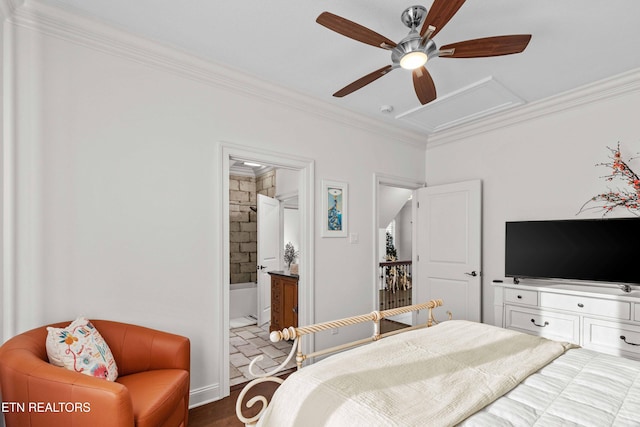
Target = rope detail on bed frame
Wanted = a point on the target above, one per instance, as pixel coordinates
(296, 334)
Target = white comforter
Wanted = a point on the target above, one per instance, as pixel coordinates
(580, 388)
(437, 377)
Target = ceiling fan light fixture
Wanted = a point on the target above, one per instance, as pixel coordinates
(413, 60)
(413, 51)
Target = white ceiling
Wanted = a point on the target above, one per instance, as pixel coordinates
(575, 42)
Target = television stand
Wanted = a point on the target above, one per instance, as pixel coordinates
(604, 318)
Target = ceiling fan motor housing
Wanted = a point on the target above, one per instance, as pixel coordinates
(413, 43)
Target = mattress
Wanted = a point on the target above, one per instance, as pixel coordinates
(579, 388)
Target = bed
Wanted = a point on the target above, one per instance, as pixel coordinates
(453, 373)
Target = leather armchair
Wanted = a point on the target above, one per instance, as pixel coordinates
(152, 388)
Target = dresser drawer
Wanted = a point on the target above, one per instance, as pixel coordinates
(586, 305)
(521, 296)
(557, 326)
(611, 337)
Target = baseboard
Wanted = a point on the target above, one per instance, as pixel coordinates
(203, 395)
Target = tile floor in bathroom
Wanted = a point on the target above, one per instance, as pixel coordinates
(246, 343)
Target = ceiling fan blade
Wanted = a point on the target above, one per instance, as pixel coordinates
(354, 31)
(488, 46)
(363, 81)
(423, 85)
(440, 13)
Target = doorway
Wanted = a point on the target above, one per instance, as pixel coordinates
(394, 251)
(303, 192)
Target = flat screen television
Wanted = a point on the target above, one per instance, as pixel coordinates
(599, 250)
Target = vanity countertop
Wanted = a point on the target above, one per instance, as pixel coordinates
(285, 274)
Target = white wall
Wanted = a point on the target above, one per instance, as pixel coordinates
(117, 203)
(403, 235)
(543, 167)
(291, 229)
(287, 191)
(287, 183)
(3, 139)
(391, 201)
(404, 232)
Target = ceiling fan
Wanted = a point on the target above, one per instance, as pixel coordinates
(413, 51)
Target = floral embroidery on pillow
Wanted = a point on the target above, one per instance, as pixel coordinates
(81, 348)
(100, 371)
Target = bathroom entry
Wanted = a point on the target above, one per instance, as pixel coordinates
(259, 195)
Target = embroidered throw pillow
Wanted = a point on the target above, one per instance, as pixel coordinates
(80, 347)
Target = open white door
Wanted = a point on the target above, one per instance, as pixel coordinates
(269, 245)
(448, 236)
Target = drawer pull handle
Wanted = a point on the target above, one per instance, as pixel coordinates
(519, 296)
(581, 305)
(540, 326)
(623, 338)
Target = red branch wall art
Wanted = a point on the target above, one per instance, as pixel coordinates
(628, 198)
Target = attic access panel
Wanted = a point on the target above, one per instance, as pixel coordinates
(480, 99)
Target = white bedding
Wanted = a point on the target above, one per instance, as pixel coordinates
(580, 388)
(437, 377)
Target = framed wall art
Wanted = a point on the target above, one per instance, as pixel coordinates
(334, 209)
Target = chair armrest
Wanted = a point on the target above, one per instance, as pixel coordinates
(48, 395)
(138, 349)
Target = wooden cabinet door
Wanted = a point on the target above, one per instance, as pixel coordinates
(290, 303)
(276, 304)
(284, 302)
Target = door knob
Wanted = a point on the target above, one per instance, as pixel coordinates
(262, 267)
(472, 274)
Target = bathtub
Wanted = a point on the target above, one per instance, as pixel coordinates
(243, 300)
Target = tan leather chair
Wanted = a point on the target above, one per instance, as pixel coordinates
(152, 388)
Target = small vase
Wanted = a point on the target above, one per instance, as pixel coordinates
(293, 269)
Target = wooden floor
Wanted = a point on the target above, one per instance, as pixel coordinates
(222, 413)
(216, 414)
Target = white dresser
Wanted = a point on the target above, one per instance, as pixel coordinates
(602, 318)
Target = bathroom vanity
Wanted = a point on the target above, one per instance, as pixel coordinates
(284, 300)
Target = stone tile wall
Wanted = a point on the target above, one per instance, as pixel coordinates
(243, 237)
(266, 184)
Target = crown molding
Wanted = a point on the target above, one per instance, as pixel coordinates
(90, 33)
(612, 87)
(8, 7)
